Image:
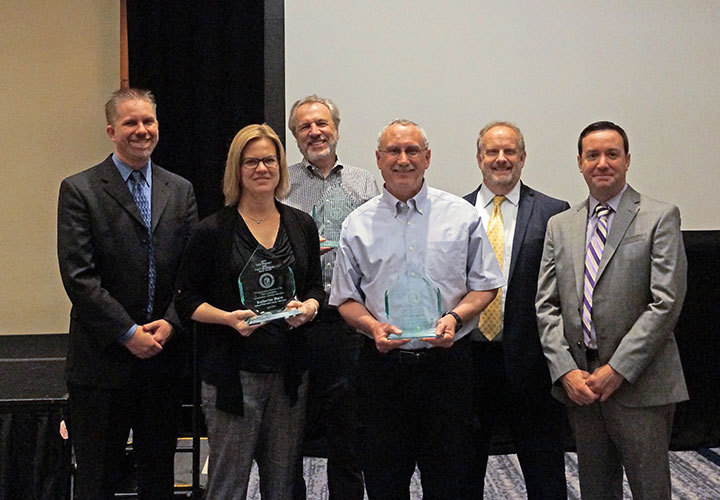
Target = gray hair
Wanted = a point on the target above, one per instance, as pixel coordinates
(334, 111)
(405, 123)
(122, 95)
(510, 125)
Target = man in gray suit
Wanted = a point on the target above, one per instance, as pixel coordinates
(612, 283)
(122, 229)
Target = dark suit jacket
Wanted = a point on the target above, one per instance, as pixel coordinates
(102, 251)
(639, 292)
(525, 364)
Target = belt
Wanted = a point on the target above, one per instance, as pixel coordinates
(412, 356)
(415, 356)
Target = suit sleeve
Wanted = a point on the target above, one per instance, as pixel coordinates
(191, 221)
(549, 313)
(668, 284)
(100, 312)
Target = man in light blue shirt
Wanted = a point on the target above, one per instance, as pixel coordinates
(415, 395)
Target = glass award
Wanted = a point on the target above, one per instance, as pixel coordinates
(413, 305)
(266, 286)
(330, 212)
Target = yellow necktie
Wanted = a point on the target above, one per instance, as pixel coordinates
(491, 318)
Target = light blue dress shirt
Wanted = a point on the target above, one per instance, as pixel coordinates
(435, 231)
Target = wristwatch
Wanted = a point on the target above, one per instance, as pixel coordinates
(458, 320)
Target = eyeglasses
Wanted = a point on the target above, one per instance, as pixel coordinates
(410, 152)
(268, 161)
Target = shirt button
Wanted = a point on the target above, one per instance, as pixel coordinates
(411, 249)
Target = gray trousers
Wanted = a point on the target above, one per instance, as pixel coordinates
(610, 437)
(270, 432)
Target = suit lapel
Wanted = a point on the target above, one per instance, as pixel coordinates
(472, 197)
(160, 194)
(578, 246)
(627, 209)
(114, 185)
(525, 206)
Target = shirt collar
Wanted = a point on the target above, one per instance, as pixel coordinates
(613, 202)
(316, 171)
(486, 196)
(417, 202)
(126, 170)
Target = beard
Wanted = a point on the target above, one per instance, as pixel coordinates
(328, 152)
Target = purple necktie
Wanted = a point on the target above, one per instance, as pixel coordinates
(592, 262)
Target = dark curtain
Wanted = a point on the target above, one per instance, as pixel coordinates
(204, 61)
(34, 460)
(697, 421)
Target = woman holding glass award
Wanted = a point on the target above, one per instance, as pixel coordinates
(250, 275)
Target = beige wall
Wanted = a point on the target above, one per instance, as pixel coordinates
(59, 61)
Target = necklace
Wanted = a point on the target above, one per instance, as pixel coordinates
(256, 221)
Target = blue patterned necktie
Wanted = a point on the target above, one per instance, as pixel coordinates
(592, 262)
(144, 206)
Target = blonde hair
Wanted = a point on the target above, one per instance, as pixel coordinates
(232, 180)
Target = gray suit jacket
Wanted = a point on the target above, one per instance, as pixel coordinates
(102, 251)
(637, 299)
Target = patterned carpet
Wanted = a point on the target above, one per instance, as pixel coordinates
(694, 477)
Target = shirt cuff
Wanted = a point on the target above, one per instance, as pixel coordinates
(123, 339)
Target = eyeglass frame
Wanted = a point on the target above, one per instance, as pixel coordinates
(410, 152)
(274, 160)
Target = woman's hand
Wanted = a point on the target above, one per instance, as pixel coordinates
(308, 310)
(236, 319)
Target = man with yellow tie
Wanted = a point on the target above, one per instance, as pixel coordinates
(511, 378)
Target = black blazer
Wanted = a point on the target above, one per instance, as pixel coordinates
(205, 276)
(103, 263)
(525, 363)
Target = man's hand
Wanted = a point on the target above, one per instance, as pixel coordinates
(576, 388)
(444, 332)
(236, 319)
(142, 344)
(323, 250)
(382, 342)
(160, 329)
(604, 381)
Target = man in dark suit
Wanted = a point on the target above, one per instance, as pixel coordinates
(122, 229)
(512, 382)
(610, 290)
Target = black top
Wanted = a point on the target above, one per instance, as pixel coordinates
(207, 274)
(265, 351)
